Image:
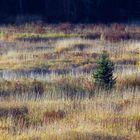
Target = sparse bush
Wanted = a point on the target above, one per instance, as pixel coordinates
(37, 88)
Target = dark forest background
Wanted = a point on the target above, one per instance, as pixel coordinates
(70, 10)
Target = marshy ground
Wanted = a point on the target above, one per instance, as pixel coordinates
(46, 88)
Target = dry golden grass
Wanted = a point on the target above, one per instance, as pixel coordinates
(67, 106)
(67, 54)
(104, 117)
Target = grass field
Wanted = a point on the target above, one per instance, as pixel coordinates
(46, 88)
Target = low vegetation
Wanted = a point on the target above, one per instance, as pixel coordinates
(52, 80)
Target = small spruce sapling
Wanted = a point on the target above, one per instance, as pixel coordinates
(103, 76)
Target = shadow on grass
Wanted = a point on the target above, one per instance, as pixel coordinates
(86, 136)
(94, 136)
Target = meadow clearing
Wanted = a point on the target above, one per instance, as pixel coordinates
(46, 88)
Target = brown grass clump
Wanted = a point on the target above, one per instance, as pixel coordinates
(92, 36)
(64, 27)
(118, 27)
(138, 124)
(132, 81)
(15, 112)
(23, 87)
(49, 117)
(116, 36)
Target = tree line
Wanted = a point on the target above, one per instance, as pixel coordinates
(71, 10)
